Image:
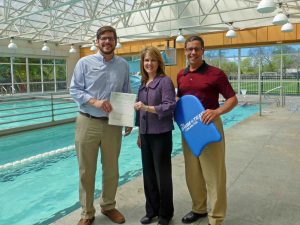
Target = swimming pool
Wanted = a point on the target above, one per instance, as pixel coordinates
(20, 111)
(36, 109)
(42, 190)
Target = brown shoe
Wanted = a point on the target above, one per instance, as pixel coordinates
(114, 215)
(86, 221)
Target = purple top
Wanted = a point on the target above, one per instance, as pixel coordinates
(160, 93)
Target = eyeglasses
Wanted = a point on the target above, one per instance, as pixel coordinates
(107, 38)
(197, 49)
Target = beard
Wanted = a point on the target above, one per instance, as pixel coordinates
(106, 51)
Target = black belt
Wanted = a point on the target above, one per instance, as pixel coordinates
(93, 117)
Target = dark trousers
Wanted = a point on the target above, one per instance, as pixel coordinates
(157, 173)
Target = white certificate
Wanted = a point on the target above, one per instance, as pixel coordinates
(122, 113)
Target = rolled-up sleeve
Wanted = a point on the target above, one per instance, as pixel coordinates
(77, 86)
(168, 103)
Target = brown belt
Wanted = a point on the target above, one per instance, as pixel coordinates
(93, 117)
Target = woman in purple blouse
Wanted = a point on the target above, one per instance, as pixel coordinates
(154, 117)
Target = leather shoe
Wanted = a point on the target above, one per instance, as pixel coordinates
(163, 221)
(192, 217)
(86, 221)
(114, 215)
(146, 219)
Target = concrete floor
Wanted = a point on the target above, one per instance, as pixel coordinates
(263, 171)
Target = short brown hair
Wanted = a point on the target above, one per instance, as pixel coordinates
(194, 38)
(154, 53)
(104, 29)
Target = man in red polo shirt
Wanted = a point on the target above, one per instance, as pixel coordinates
(206, 174)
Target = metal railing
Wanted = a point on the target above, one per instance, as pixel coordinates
(3, 90)
(28, 112)
(279, 100)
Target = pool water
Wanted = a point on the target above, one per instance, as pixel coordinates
(42, 190)
(26, 112)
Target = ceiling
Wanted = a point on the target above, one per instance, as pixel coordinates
(76, 21)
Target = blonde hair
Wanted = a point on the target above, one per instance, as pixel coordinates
(155, 54)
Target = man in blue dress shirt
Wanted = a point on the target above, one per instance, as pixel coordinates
(95, 77)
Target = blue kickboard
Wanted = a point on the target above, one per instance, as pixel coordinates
(188, 118)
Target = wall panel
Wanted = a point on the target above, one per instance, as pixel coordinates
(275, 34)
(245, 37)
(262, 34)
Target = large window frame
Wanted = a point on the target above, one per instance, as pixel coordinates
(27, 75)
(276, 65)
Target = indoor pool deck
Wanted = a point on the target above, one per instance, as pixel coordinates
(263, 168)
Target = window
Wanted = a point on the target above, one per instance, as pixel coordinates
(41, 75)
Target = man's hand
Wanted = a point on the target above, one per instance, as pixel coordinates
(127, 131)
(104, 104)
(209, 115)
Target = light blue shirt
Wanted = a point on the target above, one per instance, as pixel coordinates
(94, 77)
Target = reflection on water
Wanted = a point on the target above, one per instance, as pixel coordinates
(135, 81)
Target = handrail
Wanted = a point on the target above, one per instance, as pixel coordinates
(28, 114)
(273, 89)
(3, 88)
(277, 99)
(13, 90)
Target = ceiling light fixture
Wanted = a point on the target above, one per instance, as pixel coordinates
(119, 45)
(280, 19)
(266, 6)
(72, 49)
(45, 47)
(93, 47)
(11, 44)
(180, 38)
(230, 33)
(288, 27)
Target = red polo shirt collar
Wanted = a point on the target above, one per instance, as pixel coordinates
(200, 69)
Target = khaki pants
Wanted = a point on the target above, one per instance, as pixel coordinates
(206, 178)
(90, 135)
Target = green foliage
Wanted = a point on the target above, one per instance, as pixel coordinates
(35, 75)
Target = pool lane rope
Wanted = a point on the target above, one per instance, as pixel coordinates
(43, 155)
(36, 157)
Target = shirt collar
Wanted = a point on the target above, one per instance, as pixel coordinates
(200, 69)
(153, 83)
(101, 58)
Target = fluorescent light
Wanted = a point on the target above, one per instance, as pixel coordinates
(11, 44)
(230, 33)
(288, 27)
(180, 38)
(266, 6)
(280, 19)
(45, 47)
(72, 49)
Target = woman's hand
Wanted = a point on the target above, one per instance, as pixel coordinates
(138, 142)
(140, 106)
